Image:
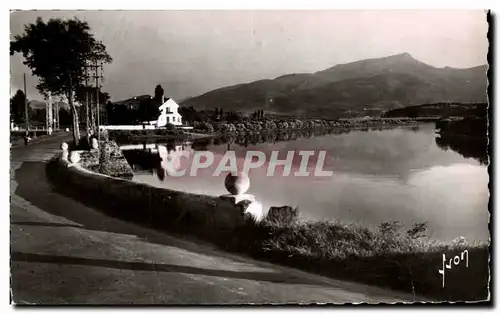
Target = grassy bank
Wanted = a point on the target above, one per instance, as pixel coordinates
(388, 256)
(128, 136)
(107, 159)
(268, 124)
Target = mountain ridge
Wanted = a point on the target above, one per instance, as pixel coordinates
(355, 88)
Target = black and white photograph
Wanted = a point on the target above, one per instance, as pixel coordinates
(250, 157)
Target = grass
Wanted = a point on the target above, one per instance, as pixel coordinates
(107, 159)
(386, 256)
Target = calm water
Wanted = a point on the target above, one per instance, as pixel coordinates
(378, 175)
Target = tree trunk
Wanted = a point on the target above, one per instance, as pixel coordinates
(74, 113)
(92, 118)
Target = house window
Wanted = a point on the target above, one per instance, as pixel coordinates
(168, 119)
(173, 119)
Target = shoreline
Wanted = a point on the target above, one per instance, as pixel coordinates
(127, 135)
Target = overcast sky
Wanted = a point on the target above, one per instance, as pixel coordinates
(193, 52)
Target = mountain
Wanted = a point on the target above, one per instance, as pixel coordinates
(132, 103)
(364, 87)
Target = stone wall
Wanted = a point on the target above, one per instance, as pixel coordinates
(202, 214)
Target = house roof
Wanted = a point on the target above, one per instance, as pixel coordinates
(170, 101)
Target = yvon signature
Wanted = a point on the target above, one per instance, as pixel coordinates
(456, 261)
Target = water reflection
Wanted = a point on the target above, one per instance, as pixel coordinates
(476, 148)
(404, 173)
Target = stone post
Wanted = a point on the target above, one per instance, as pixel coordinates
(64, 151)
(237, 184)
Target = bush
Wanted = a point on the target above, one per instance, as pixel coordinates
(419, 230)
(389, 228)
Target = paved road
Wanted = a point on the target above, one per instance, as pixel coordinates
(63, 252)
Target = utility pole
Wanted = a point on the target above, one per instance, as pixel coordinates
(49, 117)
(97, 98)
(94, 66)
(26, 116)
(87, 121)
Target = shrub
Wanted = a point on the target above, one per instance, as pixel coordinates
(389, 228)
(208, 127)
(419, 230)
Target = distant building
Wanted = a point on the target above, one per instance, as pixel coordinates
(169, 113)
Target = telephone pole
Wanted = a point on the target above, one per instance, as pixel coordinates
(97, 98)
(97, 77)
(87, 121)
(26, 115)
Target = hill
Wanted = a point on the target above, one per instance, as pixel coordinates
(440, 110)
(367, 87)
(132, 103)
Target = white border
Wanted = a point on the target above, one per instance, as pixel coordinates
(188, 4)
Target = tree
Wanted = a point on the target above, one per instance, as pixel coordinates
(158, 94)
(57, 52)
(149, 108)
(81, 97)
(17, 107)
(109, 112)
(81, 90)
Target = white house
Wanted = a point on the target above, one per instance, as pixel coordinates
(169, 113)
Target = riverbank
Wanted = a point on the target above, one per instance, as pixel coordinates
(266, 125)
(206, 130)
(131, 136)
(387, 257)
(468, 136)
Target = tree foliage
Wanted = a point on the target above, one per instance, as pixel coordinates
(80, 91)
(17, 107)
(57, 52)
(159, 92)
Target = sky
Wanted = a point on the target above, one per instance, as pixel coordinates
(192, 52)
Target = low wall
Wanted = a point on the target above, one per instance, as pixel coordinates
(201, 215)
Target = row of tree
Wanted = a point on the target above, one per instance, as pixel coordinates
(17, 108)
(58, 52)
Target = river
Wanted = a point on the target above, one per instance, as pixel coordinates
(379, 175)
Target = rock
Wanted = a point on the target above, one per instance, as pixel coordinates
(284, 214)
(64, 146)
(74, 157)
(237, 184)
